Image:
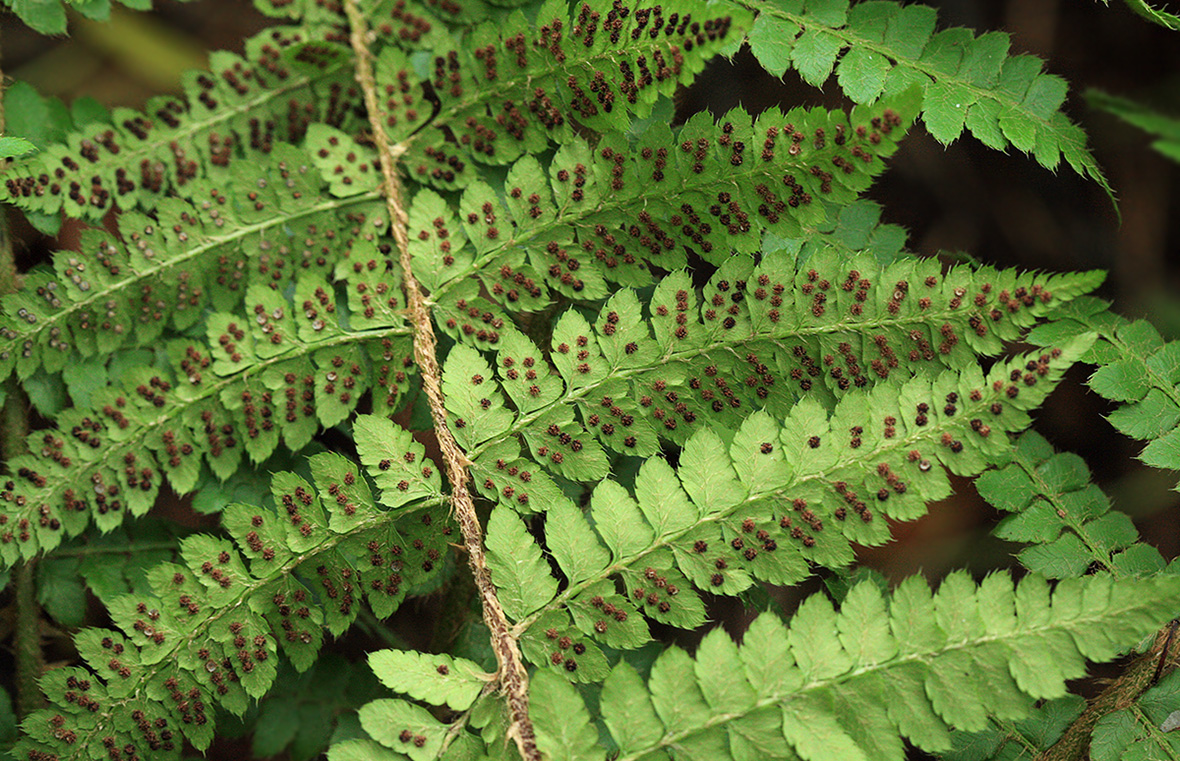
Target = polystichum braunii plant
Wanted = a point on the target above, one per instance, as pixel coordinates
(406, 287)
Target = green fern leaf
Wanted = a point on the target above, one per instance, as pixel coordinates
(224, 119)
(807, 508)
(987, 630)
(1135, 732)
(575, 546)
(208, 632)
(1139, 369)
(1066, 518)
(405, 727)
(192, 255)
(563, 723)
(726, 195)
(520, 573)
(1039, 730)
(968, 82)
(203, 407)
(685, 387)
(514, 86)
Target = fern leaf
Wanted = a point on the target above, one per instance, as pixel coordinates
(276, 372)
(1139, 369)
(261, 228)
(732, 180)
(562, 721)
(521, 575)
(407, 727)
(809, 508)
(968, 82)
(514, 86)
(208, 633)
(853, 229)
(235, 114)
(1166, 129)
(1038, 731)
(681, 369)
(699, 704)
(575, 546)
(1140, 731)
(1064, 516)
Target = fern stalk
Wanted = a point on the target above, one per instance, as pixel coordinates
(513, 676)
(14, 427)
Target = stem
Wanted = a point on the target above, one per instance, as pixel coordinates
(14, 427)
(512, 674)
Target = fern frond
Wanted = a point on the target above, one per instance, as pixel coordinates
(109, 566)
(760, 503)
(758, 338)
(915, 665)
(280, 369)
(1016, 739)
(1161, 126)
(1152, 13)
(597, 215)
(1141, 730)
(1137, 369)
(853, 229)
(1134, 717)
(438, 679)
(881, 48)
(208, 635)
(911, 666)
(511, 88)
(234, 114)
(262, 224)
(1066, 518)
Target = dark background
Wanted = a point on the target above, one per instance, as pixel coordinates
(1000, 208)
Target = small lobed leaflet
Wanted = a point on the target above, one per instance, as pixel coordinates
(1066, 519)
(1137, 370)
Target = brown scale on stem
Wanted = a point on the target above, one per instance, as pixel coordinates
(512, 674)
